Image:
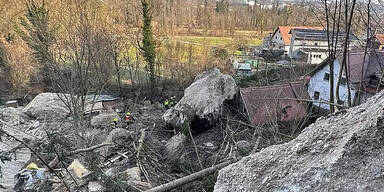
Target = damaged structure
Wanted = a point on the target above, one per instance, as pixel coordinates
(276, 103)
(341, 152)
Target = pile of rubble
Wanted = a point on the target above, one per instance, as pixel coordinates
(105, 151)
(341, 152)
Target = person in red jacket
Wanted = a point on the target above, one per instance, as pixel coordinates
(128, 118)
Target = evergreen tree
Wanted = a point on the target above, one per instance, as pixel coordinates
(148, 42)
(36, 33)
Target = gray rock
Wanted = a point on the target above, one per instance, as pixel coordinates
(117, 136)
(341, 152)
(159, 105)
(174, 149)
(209, 145)
(95, 187)
(11, 115)
(203, 98)
(47, 105)
(113, 171)
(133, 173)
(104, 119)
(243, 147)
(147, 103)
(143, 186)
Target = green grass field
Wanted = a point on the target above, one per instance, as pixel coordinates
(215, 41)
(200, 44)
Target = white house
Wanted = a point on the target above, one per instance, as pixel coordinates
(281, 38)
(315, 40)
(318, 79)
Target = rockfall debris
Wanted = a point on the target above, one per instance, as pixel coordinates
(340, 152)
(203, 99)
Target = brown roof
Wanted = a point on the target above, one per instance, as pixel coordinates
(284, 31)
(275, 103)
(380, 38)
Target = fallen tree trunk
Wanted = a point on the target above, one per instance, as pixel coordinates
(197, 175)
(192, 177)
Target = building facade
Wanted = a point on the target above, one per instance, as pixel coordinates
(281, 37)
(364, 79)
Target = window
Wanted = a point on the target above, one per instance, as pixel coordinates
(343, 81)
(316, 95)
(281, 38)
(316, 43)
(275, 37)
(326, 77)
(320, 56)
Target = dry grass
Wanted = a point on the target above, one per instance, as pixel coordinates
(21, 63)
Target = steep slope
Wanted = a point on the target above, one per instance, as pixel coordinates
(342, 152)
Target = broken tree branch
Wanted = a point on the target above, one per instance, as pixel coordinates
(263, 129)
(89, 149)
(254, 150)
(192, 177)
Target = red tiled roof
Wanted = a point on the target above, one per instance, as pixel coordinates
(380, 38)
(275, 103)
(284, 31)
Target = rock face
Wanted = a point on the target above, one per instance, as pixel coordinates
(47, 105)
(203, 98)
(342, 152)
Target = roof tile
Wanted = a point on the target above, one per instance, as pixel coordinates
(275, 103)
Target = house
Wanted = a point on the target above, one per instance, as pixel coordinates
(318, 79)
(312, 56)
(313, 41)
(281, 38)
(277, 103)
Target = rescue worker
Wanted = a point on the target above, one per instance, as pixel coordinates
(115, 120)
(128, 118)
(173, 101)
(166, 104)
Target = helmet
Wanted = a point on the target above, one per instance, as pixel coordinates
(128, 113)
(115, 119)
(32, 166)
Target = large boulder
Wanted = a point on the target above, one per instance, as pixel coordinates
(119, 137)
(342, 152)
(203, 99)
(47, 105)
